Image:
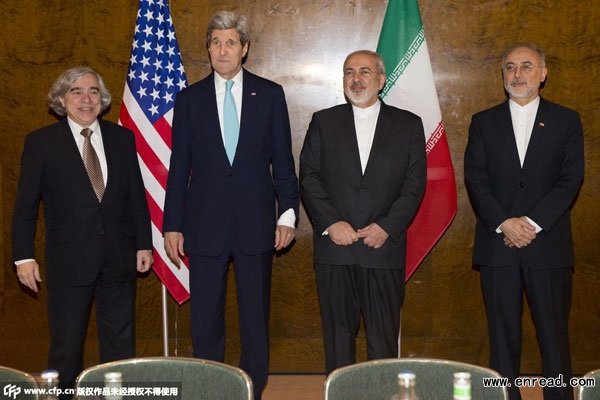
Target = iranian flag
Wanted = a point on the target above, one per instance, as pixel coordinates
(410, 86)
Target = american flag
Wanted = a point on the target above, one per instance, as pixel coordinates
(154, 78)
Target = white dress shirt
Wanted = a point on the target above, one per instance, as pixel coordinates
(236, 91)
(97, 144)
(365, 122)
(523, 118)
(288, 218)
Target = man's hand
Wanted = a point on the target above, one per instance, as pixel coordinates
(283, 236)
(29, 274)
(518, 232)
(342, 234)
(144, 260)
(373, 235)
(174, 247)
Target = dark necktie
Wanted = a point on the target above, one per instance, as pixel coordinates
(92, 164)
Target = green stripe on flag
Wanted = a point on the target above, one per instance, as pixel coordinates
(400, 38)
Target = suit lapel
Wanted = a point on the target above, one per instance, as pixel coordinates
(110, 150)
(536, 133)
(507, 134)
(208, 107)
(250, 104)
(382, 129)
(348, 130)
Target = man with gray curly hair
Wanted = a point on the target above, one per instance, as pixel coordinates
(231, 165)
(97, 223)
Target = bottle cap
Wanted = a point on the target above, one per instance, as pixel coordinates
(462, 375)
(113, 377)
(49, 374)
(406, 375)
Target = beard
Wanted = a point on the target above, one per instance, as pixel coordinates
(363, 98)
(519, 92)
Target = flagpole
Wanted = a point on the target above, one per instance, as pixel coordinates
(165, 321)
(400, 335)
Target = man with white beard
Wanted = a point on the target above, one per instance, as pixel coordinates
(362, 177)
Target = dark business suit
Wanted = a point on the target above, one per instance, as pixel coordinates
(90, 245)
(389, 192)
(543, 189)
(229, 211)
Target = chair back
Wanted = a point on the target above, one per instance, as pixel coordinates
(195, 378)
(434, 380)
(14, 382)
(589, 392)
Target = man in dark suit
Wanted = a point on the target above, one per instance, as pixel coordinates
(523, 168)
(231, 158)
(97, 223)
(362, 177)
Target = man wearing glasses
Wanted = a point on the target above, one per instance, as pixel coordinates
(362, 177)
(524, 166)
(231, 160)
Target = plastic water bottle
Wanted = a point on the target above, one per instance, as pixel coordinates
(406, 387)
(462, 386)
(113, 382)
(49, 382)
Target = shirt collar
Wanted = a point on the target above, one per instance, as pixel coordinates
(364, 113)
(76, 128)
(529, 107)
(238, 79)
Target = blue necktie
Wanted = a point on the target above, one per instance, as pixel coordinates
(230, 122)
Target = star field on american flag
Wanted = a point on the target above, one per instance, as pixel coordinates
(155, 73)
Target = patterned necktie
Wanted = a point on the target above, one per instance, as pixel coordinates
(230, 122)
(92, 164)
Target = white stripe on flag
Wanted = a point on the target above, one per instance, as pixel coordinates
(180, 273)
(153, 187)
(155, 141)
(415, 91)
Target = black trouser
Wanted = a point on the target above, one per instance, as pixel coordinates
(68, 314)
(346, 292)
(548, 293)
(208, 288)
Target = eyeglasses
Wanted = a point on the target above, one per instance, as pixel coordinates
(229, 44)
(363, 73)
(525, 68)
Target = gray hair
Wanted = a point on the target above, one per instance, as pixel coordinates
(229, 20)
(378, 60)
(531, 46)
(63, 84)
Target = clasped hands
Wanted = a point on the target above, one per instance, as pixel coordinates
(518, 232)
(342, 234)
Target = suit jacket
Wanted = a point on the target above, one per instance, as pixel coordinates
(82, 234)
(334, 188)
(207, 199)
(544, 189)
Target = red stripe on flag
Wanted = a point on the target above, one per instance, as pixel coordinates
(438, 206)
(163, 127)
(156, 213)
(155, 166)
(176, 289)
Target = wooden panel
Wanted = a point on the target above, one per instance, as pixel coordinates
(302, 45)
